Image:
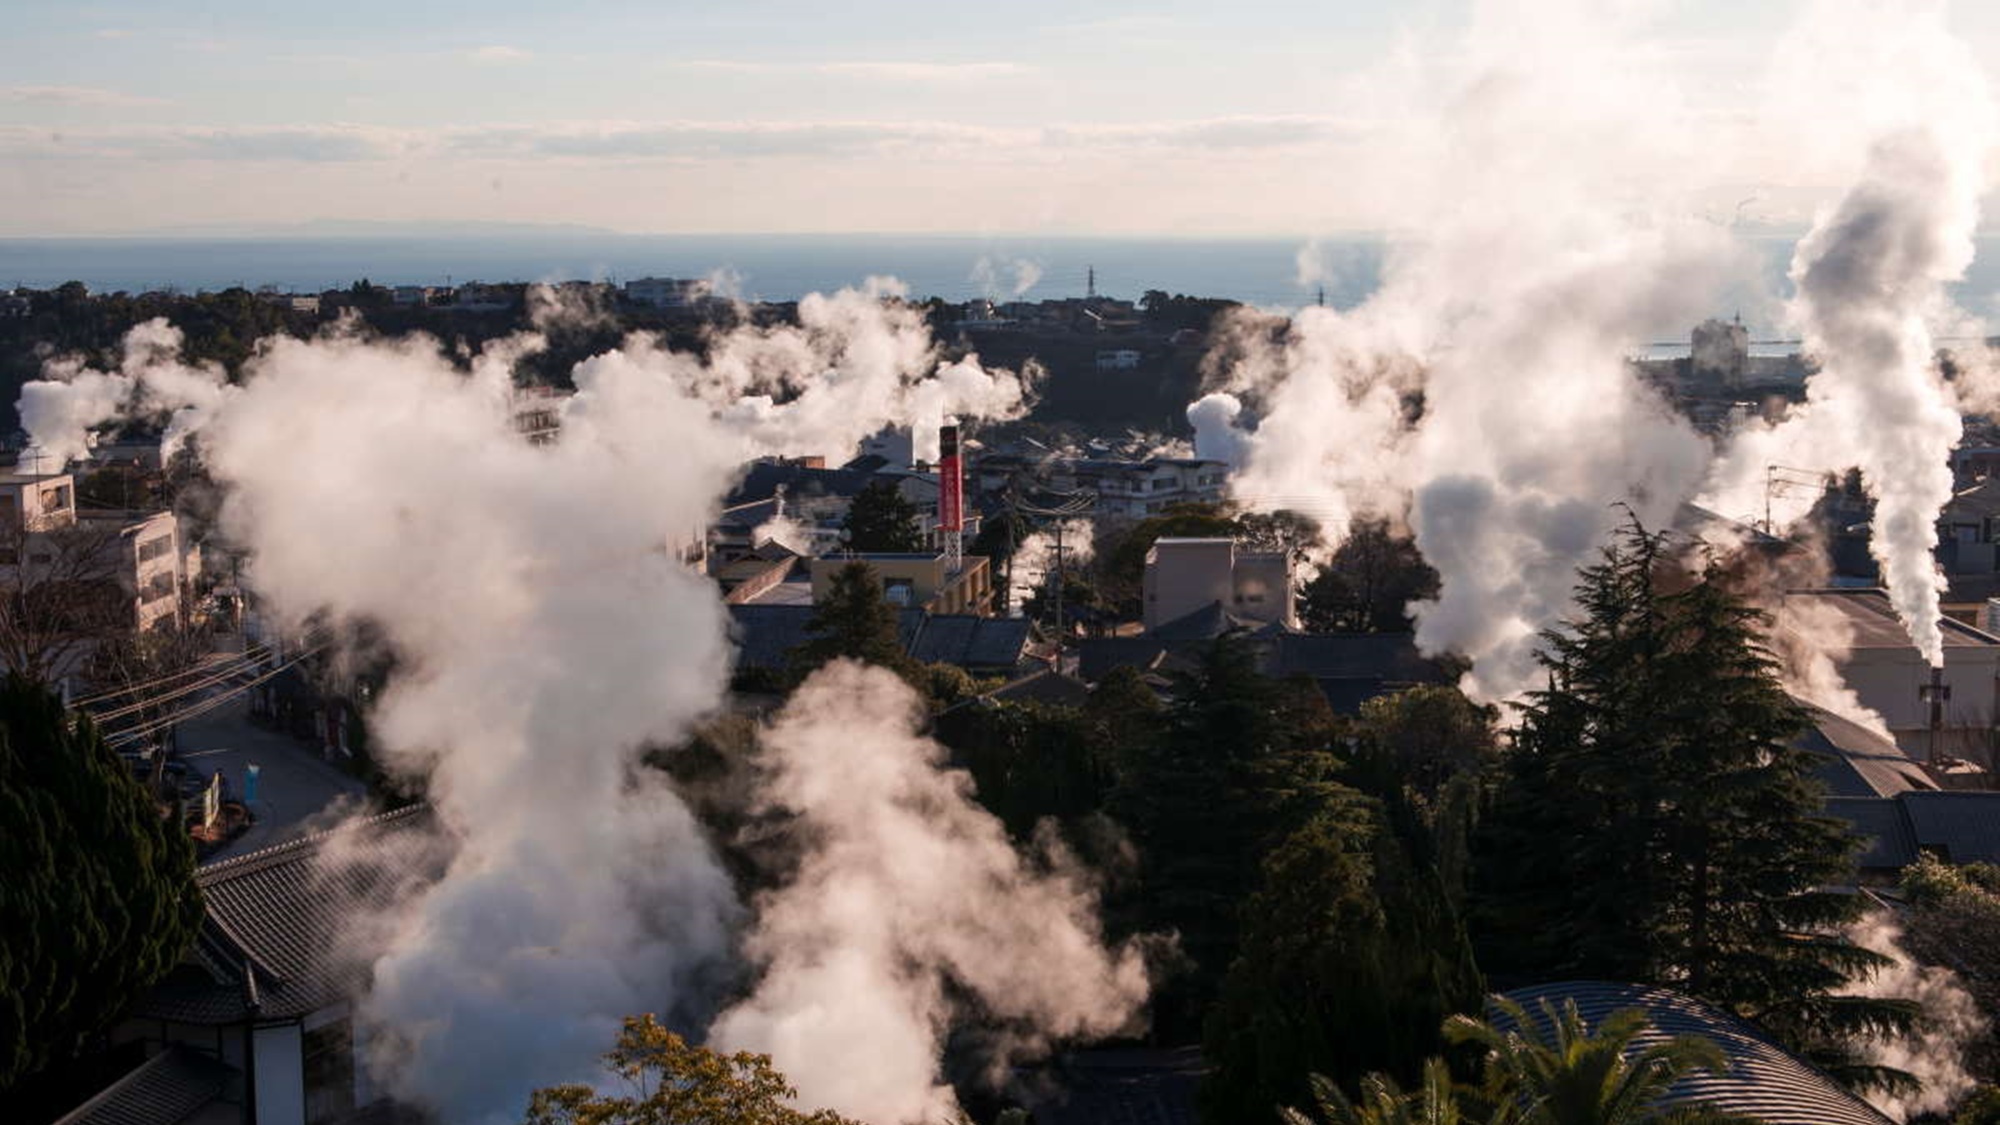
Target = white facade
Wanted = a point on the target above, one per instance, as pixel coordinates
(1184, 575)
(1889, 676)
(665, 292)
(1117, 359)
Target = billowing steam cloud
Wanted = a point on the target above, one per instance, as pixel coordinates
(547, 629)
(1870, 281)
(1035, 556)
(1535, 264)
(151, 382)
(908, 891)
(1481, 392)
(1950, 1023)
(1005, 277)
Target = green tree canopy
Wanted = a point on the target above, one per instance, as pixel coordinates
(672, 1082)
(98, 900)
(1352, 954)
(1240, 763)
(1658, 824)
(857, 622)
(1368, 583)
(880, 519)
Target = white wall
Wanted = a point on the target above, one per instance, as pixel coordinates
(280, 1077)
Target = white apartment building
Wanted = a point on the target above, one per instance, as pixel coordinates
(1184, 575)
(44, 536)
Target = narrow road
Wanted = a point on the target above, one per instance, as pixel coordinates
(295, 788)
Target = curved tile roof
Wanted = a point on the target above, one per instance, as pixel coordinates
(1764, 1080)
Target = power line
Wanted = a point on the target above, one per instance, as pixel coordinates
(203, 707)
(219, 674)
(134, 689)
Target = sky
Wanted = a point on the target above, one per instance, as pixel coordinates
(1038, 117)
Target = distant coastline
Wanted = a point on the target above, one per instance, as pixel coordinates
(783, 267)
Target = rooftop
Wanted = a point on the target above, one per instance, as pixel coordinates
(273, 920)
(165, 1089)
(1764, 1081)
(1859, 762)
(1876, 625)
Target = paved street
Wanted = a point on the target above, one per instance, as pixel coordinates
(293, 786)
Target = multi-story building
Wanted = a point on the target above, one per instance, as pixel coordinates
(666, 292)
(45, 538)
(1186, 575)
(917, 581)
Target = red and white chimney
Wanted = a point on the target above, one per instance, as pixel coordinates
(951, 500)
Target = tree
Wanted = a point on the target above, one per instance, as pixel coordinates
(1656, 822)
(1382, 1102)
(99, 900)
(1240, 764)
(1352, 955)
(880, 519)
(1368, 583)
(59, 595)
(673, 1082)
(1561, 1071)
(856, 622)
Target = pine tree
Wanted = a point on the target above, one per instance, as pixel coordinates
(880, 519)
(1240, 763)
(1657, 823)
(1352, 956)
(856, 622)
(98, 900)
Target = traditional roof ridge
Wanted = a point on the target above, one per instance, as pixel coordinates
(183, 1080)
(236, 866)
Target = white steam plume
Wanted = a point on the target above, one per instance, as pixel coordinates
(70, 400)
(1216, 436)
(1035, 556)
(1870, 279)
(1021, 275)
(1950, 1022)
(1549, 191)
(546, 632)
(907, 891)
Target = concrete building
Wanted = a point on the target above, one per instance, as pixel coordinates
(1137, 489)
(1184, 575)
(412, 296)
(149, 562)
(1891, 677)
(917, 581)
(666, 292)
(1118, 359)
(44, 537)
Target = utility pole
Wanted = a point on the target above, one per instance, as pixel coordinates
(1059, 594)
(1090, 284)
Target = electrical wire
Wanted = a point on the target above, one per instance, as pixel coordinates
(133, 689)
(132, 734)
(218, 673)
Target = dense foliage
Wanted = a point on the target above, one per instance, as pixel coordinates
(99, 899)
(880, 519)
(1368, 583)
(672, 1082)
(1658, 824)
(855, 621)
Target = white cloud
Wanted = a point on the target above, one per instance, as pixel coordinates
(91, 96)
(496, 53)
(883, 71)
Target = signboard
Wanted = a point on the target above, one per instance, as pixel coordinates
(951, 486)
(211, 802)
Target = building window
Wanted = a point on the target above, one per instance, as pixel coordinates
(156, 548)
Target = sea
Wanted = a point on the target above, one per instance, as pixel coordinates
(780, 267)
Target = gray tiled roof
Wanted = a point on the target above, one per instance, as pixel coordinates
(1764, 1080)
(970, 641)
(168, 1088)
(1045, 686)
(1858, 762)
(1113, 1086)
(766, 634)
(1883, 828)
(272, 919)
(1963, 826)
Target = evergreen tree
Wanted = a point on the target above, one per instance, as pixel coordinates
(1368, 584)
(1657, 823)
(880, 519)
(856, 621)
(1352, 956)
(98, 901)
(1240, 763)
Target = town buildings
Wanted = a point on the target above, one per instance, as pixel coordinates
(1185, 575)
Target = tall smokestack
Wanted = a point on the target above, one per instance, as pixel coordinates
(951, 499)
